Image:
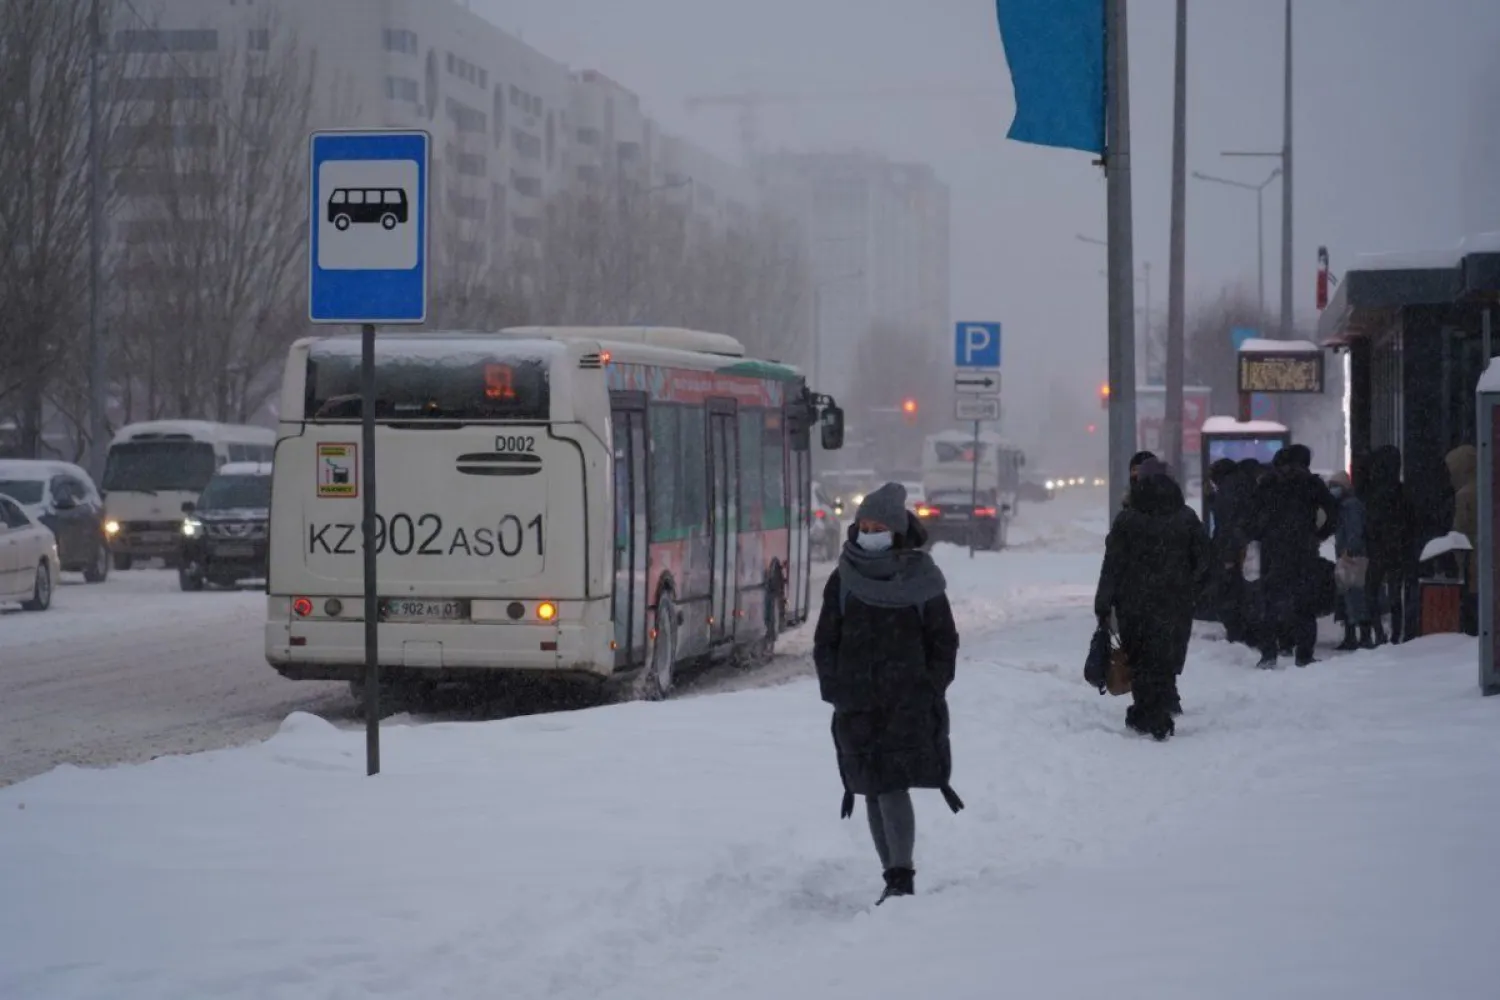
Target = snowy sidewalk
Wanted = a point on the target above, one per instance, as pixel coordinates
(1309, 833)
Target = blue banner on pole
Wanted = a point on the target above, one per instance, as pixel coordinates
(1055, 49)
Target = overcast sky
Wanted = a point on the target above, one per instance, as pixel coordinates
(1383, 100)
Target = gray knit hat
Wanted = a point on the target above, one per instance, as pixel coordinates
(886, 506)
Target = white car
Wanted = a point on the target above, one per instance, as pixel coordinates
(29, 565)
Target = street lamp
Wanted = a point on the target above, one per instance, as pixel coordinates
(1260, 229)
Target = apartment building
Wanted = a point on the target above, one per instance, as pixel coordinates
(511, 126)
(877, 232)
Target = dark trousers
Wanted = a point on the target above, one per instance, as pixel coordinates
(1157, 649)
(1386, 591)
(1231, 604)
(1289, 621)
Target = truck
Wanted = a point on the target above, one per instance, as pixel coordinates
(960, 508)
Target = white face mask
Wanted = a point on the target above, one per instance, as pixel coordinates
(875, 541)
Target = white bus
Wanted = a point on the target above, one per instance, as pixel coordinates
(609, 502)
(156, 466)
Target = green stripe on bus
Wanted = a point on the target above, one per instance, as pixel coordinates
(761, 369)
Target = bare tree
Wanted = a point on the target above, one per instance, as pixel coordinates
(214, 229)
(46, 50)
(1211, 358)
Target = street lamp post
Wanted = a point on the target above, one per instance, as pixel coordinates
(1285, 156)
(1144, 279)
(1260, 228)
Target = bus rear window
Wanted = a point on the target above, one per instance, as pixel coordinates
(426, 381)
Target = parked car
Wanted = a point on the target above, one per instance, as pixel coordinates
(63, 498)
(29, 565)
(224, 536)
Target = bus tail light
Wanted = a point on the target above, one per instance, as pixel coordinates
(302, 607)
(546, 611)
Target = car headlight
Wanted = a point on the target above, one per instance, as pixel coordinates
(1050, 485)
(192, 527)
(111, 527)
(859, 498)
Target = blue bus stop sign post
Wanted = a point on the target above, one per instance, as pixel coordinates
(367, 265)
(977, 346)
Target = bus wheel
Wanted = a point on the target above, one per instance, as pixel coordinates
(655, 680)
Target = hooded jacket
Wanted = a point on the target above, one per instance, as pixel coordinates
(885, 668)
(1156, 555)
(1463, 472)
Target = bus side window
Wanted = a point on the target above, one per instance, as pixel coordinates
(693, 466)
(665, 419)
(237, 453)
(752, 492)
(774, 479)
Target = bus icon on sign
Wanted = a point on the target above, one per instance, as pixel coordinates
(386, 206)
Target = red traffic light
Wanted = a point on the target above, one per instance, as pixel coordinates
(1104, 395)
(1093, 428)
(908, 406)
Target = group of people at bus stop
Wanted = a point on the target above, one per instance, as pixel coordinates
(886, 644)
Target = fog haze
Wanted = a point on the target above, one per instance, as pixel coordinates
(1383, 92)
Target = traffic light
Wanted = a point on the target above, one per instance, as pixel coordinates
(909, 409)
(1104, 396)
(1093, 428)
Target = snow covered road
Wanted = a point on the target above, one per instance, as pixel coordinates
(132, 668)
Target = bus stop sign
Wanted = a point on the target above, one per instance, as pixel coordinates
(367, 228)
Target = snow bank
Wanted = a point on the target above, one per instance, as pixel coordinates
(1229, 425)
(1261, 344)
(1309, 833)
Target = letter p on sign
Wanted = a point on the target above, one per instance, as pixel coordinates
(977, 345)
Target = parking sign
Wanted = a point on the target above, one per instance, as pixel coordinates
(976, 345)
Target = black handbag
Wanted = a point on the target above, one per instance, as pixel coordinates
(1096, 667)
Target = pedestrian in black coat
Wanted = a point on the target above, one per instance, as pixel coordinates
(1391, 538)
(1230, 507)
(1286, 524)
(1155, 561)
(1137, 460)
(886, 648)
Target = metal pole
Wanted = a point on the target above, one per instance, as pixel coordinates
(368, 524)
(974, 496)
(1149, 348)
(1172, 421)
(98, 397)
(1260, 256)
(1286, 189)
(817, 339)
(1120, 237)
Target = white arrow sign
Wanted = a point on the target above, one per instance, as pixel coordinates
(983, 383)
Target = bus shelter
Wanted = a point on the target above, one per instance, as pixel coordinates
(1227, 437)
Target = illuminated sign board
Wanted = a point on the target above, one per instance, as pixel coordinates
(1281, 371)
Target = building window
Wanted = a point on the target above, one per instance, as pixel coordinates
(259, 40)
(531, 187)
(470, 164)
(167, 41)
(526, 226)
(465, 118)
(398, 40)
(528, 146)
(588, 136)
(167, 88)
(400, 88)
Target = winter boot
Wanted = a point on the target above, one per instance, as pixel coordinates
(1305, 659)
(1380, 639)
(1350, 643)
(1267, 661)
(1162, 728)
(898, 882)
(1366, 639)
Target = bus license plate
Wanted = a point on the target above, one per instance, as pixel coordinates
(416, 610)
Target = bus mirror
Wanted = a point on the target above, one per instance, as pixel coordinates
(832, 428)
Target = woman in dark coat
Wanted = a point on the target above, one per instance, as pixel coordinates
(886, 648)
(1156, 559)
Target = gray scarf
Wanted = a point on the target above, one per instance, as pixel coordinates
(895, 578)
